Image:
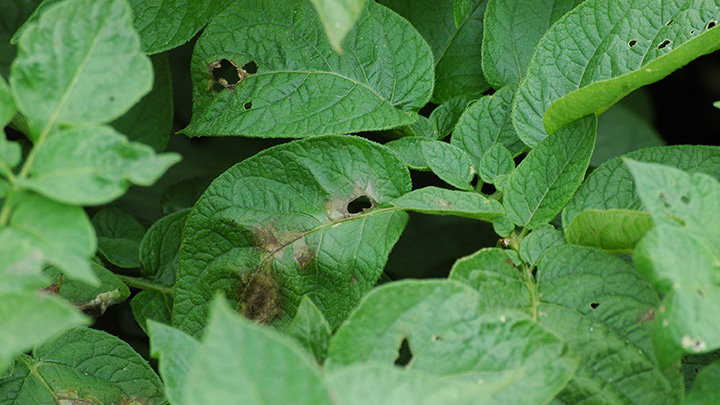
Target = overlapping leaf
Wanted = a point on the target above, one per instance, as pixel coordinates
(338, 18)
(310, 329)
(285, 80)
(604, 49)
(119, 234)
(614, 230)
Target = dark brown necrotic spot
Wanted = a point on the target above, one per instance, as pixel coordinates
(259, 297)
(226, 75)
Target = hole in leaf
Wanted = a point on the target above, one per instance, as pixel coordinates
(225, 75)
(632, 43)
(663, 199)
(247, 105)
(669, 22)
(663, 44)
(594, 305)
(360, 204)
(436, 338)
(404, 354)
(710, 24)
(692, 32)
(250, 68)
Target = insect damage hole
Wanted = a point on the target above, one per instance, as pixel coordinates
(632, 43)
(404, 354)
(360, 204)
(226, 75)
(710, 24)
(664, 43)
(594, 305)
(247, 105)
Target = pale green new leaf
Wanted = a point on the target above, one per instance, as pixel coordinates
(119, 234)
(705, 390)
(82, 366)
(614, 230)
(28, 318)
(440, 201)
(539, 241)
(175, 352)
(456, 48)
(604, 49)
(91, 41)
(518, 360)
(241, 362)
(310, 329)
(93, 165)
(450, 163)
(486, 123)
(495, 162)
(305, 217)
(611, 185)
(297, 85)
(547, 178)
(507, 44)
(338, 18)
(62, 233)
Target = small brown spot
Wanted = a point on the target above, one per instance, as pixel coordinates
(54, 288)
(649, 315)
(303, 255)
(260, 297)
(444, 203)
(353, 280)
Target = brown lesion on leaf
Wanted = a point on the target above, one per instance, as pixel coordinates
(359, 202)
(260, 297)
(225, 74)
(303, 255)
(649, 315)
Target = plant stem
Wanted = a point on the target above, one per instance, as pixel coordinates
(144, 284)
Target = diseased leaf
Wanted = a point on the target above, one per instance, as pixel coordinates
(611, 185)
(539, 241)
(241, 362)
(604, 49)
(119, 234)
(456, 48)
(440, 201)
(450, 163)
(175, 352)
(150, 120)
(338, 18)
(82, 365)
(507, 45)
(92, 41)
(310, 329)
(615, 230)
(705, 388)
(265, 69)
(495, 162)
(520, 361)
(547, 178)
(300, 218)
(93, 165)
(486, 123)
(30, 318)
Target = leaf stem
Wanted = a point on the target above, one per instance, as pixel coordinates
(532, 288)
(144, 284)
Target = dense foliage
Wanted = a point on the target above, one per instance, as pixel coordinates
(297, 272)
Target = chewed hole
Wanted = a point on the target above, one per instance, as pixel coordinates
(669, 22)
(710, 24)
(632, 43)
(663, 198)
(250, 68)
(692, 32)
(594, 305)
(664, 43)
(360, 204)
(247, 105)
(225, 75)
(404, 354)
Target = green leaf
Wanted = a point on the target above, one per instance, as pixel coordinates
(441, 122)
(622, 130)
(439, 201)
(611, 185)
(495, 162)
(150, 120)
(576, 71)
(503, 348)
(92, 41)
(30, 318)
(547, 178)
(380, 384)
(7, 105)
(297, 85)
(299, 218)
(486, 123)
(450, 163)
(507, 45)
(311, 329)
(12, 15)
(10, 153)
(175, 352)
(62, 233)
(183, 194)
(92, 301)
(705, 390)
(21, 264)
(151, 305)
(338, 18)
(241, 362)
(82, 365)
(119, 235)
(503, 226)
(456, 48)
(93, 165)
(615, 230)
(460, 10)
(410, 150)
(492, 273)
(539, 241)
